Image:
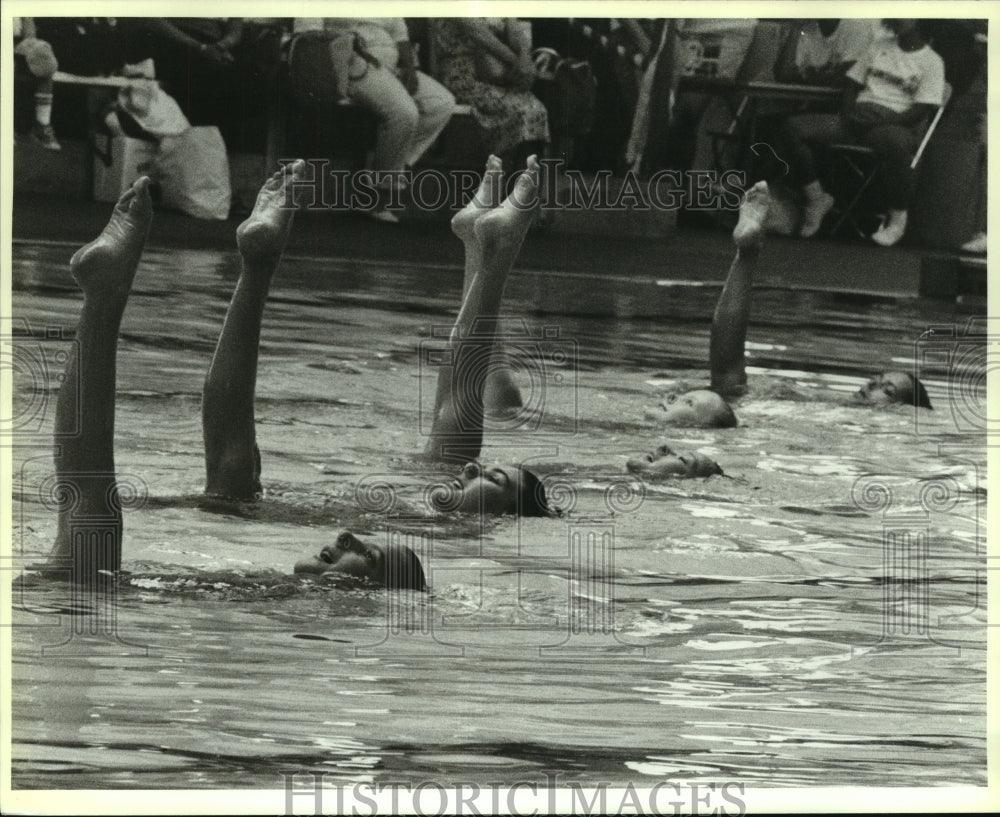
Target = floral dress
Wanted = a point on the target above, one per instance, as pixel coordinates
(506, 117)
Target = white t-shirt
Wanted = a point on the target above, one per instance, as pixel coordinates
(380, 34)
(898, 79)
(849, 41)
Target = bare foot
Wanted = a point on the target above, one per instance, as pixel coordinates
(106, 266)
(261, 238)
(501, 231)
(749, 232)
(485, 199)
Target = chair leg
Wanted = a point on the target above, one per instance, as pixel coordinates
(847, 212)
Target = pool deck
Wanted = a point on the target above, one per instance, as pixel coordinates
(685, 256)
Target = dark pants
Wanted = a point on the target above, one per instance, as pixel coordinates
(894, 145)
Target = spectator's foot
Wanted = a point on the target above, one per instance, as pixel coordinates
(892, 229)
(385, 216)
(749, 232)
(106, 266)
(45, 136)
(814, 212)
(484, 200)
(261, 238)
(501, 231)
(976, 245)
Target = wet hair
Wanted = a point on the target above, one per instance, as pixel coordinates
(403, 570)
(531, 498)
(920, 397)
(724, 417)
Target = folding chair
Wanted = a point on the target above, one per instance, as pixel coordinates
(731, 147)
(861, 163)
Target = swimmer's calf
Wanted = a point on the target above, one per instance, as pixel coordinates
(85, 408)
(501, 397)
(232, 459)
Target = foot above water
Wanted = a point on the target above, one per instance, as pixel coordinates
(261, 238)
(107, 265)
(749, 231)
(484, 200)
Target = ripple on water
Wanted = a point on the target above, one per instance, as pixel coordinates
(759, 602)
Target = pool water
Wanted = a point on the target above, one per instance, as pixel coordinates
(814, 618)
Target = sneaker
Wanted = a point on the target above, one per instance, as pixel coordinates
(814, 212)
(383, 215)
(890, 232)
(976, 245)
(46, 137)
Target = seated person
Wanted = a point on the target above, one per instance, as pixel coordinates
(820, 52)
(34, 66)
(893, 89)
(486, 63)
(222, 71)
(412, 108)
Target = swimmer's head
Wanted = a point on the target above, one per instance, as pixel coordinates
(664, 462)
(701, 408)
(394, 566)
(895, 387)
(496, 490)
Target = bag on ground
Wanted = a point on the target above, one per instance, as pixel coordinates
(192, 170)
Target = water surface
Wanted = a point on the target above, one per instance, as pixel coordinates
(780, 628)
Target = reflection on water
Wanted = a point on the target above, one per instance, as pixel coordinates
(815, 619)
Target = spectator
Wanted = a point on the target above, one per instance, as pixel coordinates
(893, 88)
(220, 70)
(412, 108)
(35, 64)
(487, 64)
(820, 52)
(88, 46)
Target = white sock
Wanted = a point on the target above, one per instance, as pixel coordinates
(896, 217)
(813, 190)
(43, 108)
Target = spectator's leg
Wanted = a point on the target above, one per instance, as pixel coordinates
(894, 145)
(232, 459)
(435, 105)
(85, 408)
(43, 132)
(380, 92)
(795, 138)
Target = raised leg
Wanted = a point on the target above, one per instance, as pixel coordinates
(457, 433)
(232, 459)
(89, 532)
(727, 359)
(501, 397)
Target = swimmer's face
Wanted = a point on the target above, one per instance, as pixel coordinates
(664, 462)
(700, 407)
(889, 387)
(487, 490)
(348, 556)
